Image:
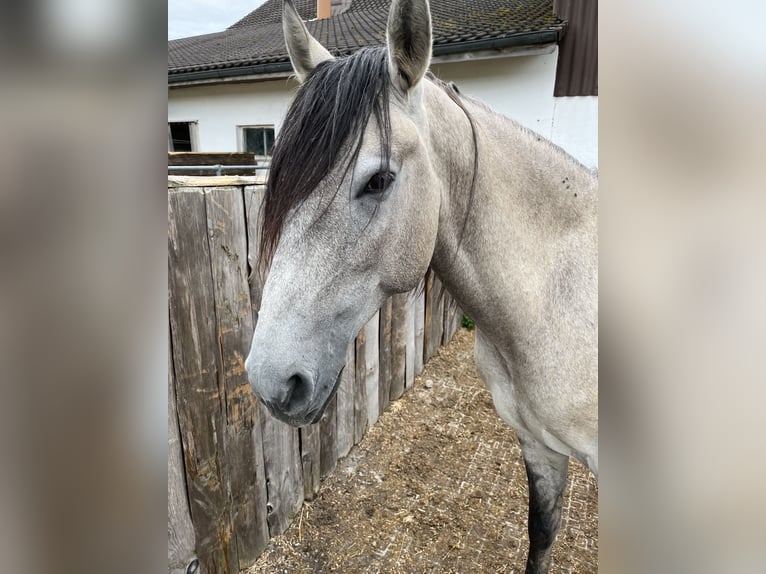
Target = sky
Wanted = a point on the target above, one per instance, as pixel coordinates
(194, 17)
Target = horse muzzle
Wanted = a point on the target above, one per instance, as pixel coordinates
(295, 396)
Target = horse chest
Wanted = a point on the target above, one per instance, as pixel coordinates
(514, 397)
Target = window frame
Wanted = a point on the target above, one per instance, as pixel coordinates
(241, 138)
(193, 135)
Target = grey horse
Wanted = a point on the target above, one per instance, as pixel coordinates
(381, 170)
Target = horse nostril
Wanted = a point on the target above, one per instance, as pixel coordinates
(294, 393)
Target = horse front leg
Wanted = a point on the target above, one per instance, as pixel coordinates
(547, 477)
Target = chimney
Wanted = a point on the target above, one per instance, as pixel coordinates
(324, 9)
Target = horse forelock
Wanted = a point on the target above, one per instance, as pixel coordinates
(323, 126)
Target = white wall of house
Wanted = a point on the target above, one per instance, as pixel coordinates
(519, 87)
(219, 109)
(522, 88)
(575, 127)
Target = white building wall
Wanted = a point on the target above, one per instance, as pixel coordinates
(522, 88)
(575, 127)
(219, 109)
(519, 87)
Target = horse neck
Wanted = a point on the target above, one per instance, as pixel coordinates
(532, 215)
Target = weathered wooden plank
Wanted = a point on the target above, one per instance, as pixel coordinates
(360, 388)
(420, 315)
(253, 198)
(180, 529)
(449, 319)
(175, 181)
(440, 293)
(436, 319)
(310, 459)
(329, 438)
(409, 379)
(457, 319)
(208, 159)
(384, 343)
(281, 444)
(453, 316)
(284, 472)
(199, 397)
(398, 345)
(243, 467)
(211, 158)
(344, 416)
(372, 370)
(429, 281)
(457, 316)
(446, 318)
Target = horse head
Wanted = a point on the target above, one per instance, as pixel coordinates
(351, 209)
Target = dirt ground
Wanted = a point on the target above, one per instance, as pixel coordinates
(437, 485)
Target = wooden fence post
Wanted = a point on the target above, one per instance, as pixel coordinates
(243, 465)
(371, 376)
(409, 321)
(284, 473)
(360, 388)
(180, 530)
(384, 380)
(434, 321)
(453, 316)
(253, 199)
(198, 394)
(344, 415)
(398, 345)
(329, 437)
(420, 315)
(310, 460)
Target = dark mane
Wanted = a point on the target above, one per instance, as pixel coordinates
(323, 125)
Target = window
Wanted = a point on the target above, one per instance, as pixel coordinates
(257, 139)
(182, 136)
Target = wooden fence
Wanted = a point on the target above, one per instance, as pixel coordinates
(236, 475)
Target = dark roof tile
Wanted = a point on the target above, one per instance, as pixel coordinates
(257, 38)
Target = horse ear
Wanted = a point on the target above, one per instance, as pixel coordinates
(409, 41)
(304, 50)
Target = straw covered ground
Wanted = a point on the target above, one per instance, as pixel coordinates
(437, 485)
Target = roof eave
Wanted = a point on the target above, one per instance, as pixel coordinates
(513, 41)
(277, 69)
(223, 73)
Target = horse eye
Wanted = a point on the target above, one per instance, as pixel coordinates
(378, 183)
